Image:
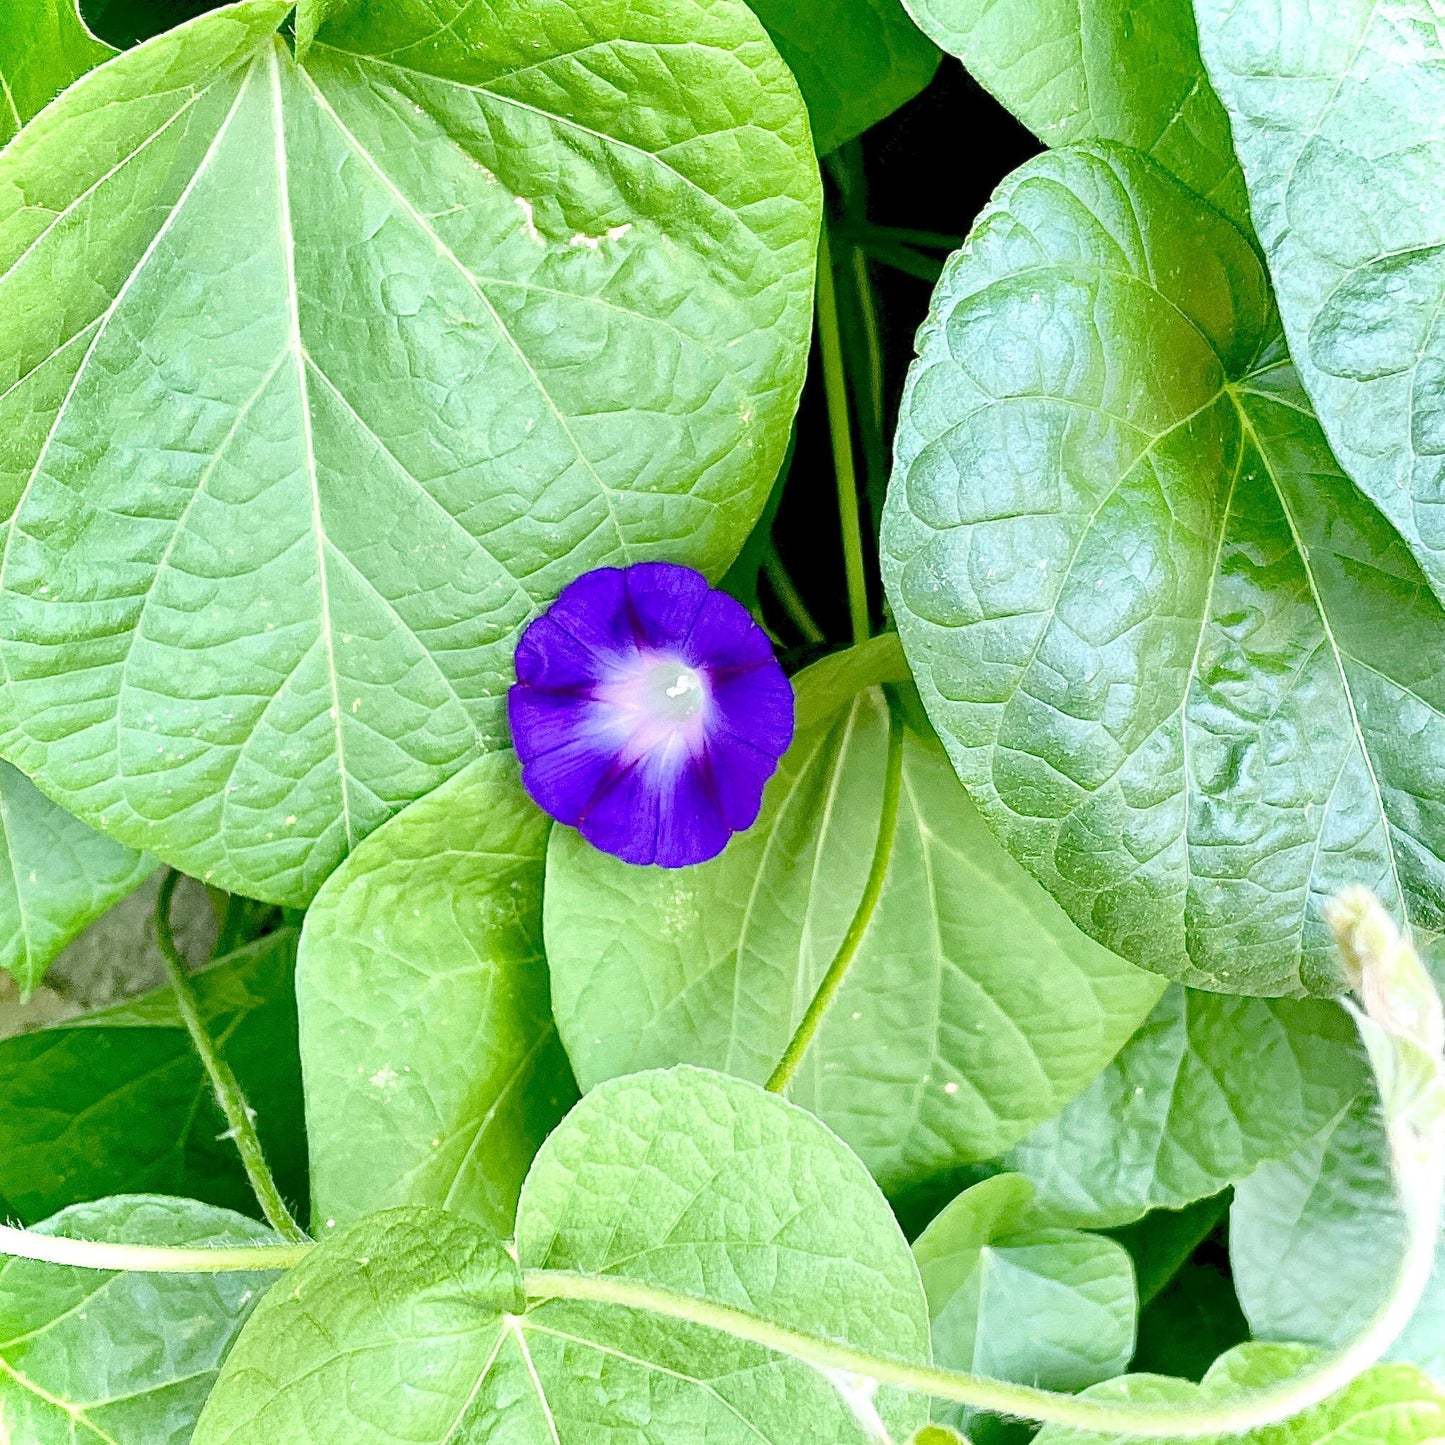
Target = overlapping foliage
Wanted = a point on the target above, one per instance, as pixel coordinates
(335, 340)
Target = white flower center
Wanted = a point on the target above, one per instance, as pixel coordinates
(673, 691)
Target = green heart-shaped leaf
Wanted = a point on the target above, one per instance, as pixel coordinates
(971, 1011)
(433, 1067)
(1186, 671)
(681, 1180)
(319, 380)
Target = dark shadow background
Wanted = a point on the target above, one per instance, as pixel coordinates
(931, 166)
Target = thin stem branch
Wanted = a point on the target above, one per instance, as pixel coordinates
(789, 598)
(147, 1259)
(835, 387)
(1182, 1421)
(241, 1121)
(832, 981)
(1404, 1031)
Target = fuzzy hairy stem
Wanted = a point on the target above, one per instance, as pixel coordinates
(1401, 1022)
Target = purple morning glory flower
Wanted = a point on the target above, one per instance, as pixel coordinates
(649, 712)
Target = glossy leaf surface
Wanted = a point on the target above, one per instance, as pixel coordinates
(1077, 70)
(971, 1010)
(1337, 116)
(684, 1180)
(1207, 1088)
(1187, 672)
(88, 1357)
(433, 1067)
(303, 402)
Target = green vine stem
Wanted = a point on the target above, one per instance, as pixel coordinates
(832, 980)
(239, 1116)
(835, 388)
(147, 1259)
(1402, 1025)
(789, 598)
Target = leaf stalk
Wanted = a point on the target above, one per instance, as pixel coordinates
(1400, 1020)
(835, 389)
(240, 1118)
(832, 980)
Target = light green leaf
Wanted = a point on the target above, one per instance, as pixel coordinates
(319, 381)
(1208, 1087)
(1186, 671)
(433, 1068)
(116, 1102)
(1387, 1405)
(682, 1180)
(93, 1358)
(856, 61)
(1050, 1307)
(1315, 1238)
(1077, 70)
(310, 16)
(44, 45)
(1336, 114)
(56, 876)
(971, 1011)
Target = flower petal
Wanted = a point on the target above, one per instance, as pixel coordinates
(665, 602)
(594, 611)
(622, 818)
(691, 825)
(724, 637)
(649, 712)
(756, 705)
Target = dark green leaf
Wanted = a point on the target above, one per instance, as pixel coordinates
(971, 1011)
(433, 1068)
(856, 61)
(116, 1102)
(318, 381)
(683, 1180)
(1161, 1242)
(88, 1357)
(1187, 672)
(1190, 1324)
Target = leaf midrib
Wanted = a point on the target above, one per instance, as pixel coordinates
(1248, 430)
(353, 143)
